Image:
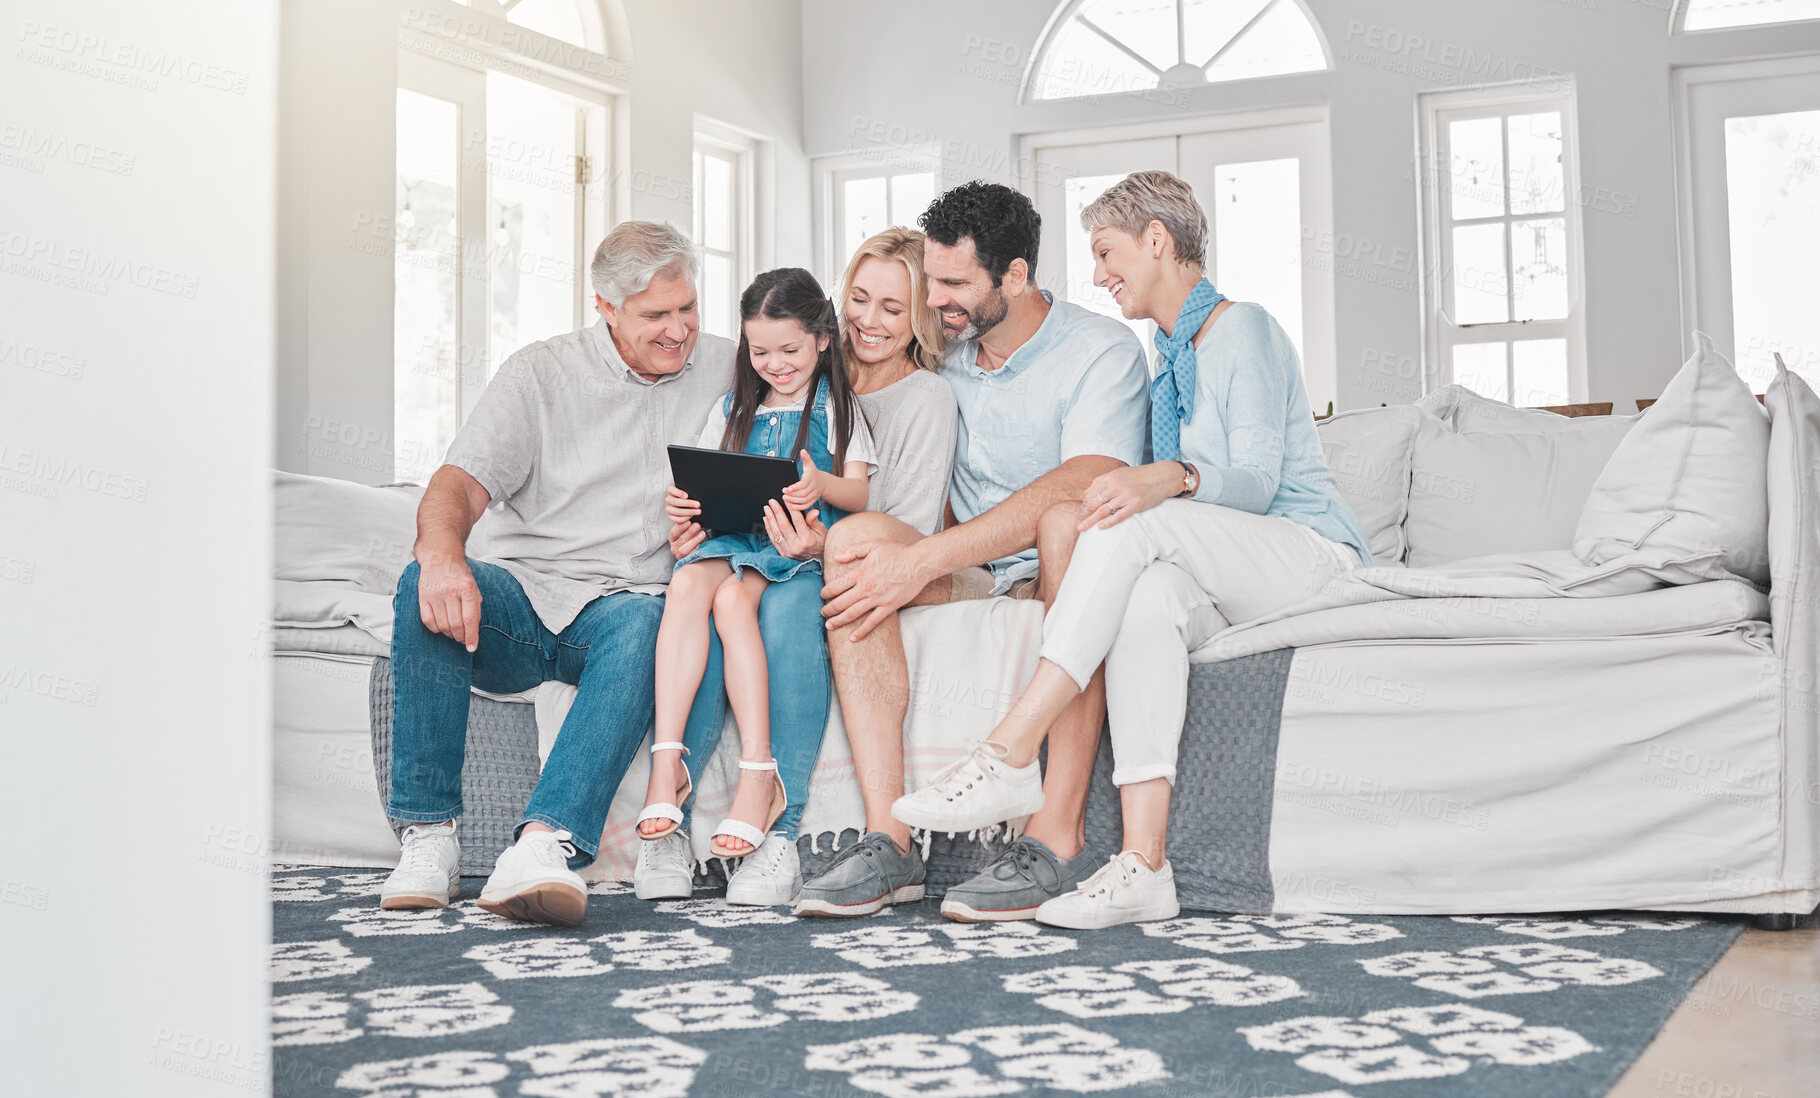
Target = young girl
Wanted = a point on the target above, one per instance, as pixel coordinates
(790, 397)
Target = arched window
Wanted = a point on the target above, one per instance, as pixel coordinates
(577, 22)
(1108, 47)
(1698, 15)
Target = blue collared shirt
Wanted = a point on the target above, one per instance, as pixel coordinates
(1078, 386)
(1252, 436)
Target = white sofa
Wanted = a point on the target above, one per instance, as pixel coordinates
(1483, 722)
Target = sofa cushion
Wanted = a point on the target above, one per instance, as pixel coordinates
(1464, 410)
(1495, 483)
(327, 529)
(1685, 496)
(1368, 451)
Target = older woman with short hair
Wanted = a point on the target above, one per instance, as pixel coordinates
(1238, 516)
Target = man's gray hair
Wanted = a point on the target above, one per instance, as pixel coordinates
(1132, 203)
(636, 252)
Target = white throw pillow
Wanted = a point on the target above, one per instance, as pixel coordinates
(1685, 497)
(1464, 410)
(1508, 490)
(1794, 514)
(329, 529)
(1368, 450)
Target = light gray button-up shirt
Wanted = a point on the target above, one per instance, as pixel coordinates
(1077, 386)
(570, 445)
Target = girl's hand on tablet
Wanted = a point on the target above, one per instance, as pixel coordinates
(679, 506)
(803, 494)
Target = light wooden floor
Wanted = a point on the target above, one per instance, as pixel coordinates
(1749, 1029)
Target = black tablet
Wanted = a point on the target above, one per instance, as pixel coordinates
(731, 488)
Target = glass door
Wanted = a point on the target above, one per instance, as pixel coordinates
(1267, 193)
(1752, 264)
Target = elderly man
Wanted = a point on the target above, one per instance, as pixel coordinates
(568, 441)
(1051, 395)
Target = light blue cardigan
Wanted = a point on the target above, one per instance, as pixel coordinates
(1252, 436)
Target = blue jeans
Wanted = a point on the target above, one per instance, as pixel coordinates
(609, 651)
(796, 660)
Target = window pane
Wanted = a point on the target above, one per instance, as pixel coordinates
(1476, 164)
(1077, 256)
(1282, 41)
(1538, 260)
(530, 148)
(1707, 14)
(1258, 238)
(1479, 295)
(1540, 370)
(863, 210)
(717, 306)
(556, 18)
(1480, 367)
(1082, 63)
(1213, 23)
(716, 202)
(910, 196)
(1772, 175)
(426, 306)
(1146, 27)
(1536, 181)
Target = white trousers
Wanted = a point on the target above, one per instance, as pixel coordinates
(1145, 593)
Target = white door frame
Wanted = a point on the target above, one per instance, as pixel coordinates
(1319, 345)
(1705, 246)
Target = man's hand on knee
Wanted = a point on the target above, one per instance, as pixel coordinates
(448, 599)
(884, 577)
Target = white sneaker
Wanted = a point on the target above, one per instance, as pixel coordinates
(770, 875)
(664, 870)
(1124, 890)
(978, 791)
(429, 869)
(532, 882)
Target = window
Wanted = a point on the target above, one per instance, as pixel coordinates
(578, 24)
(863, 198)
(1502, 245)
(1263, 181)
(1102, 47)
(1698, 15)
(1751, 170)
(724, 204)
(497, 192)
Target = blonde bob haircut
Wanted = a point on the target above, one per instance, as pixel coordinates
(1131, 204)
(898, 245)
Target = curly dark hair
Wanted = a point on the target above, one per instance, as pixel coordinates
(1001, 222)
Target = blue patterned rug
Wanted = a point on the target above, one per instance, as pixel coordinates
(696, 998)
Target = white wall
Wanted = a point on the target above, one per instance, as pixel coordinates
(136, 336)
(735, 62)
(949, 70)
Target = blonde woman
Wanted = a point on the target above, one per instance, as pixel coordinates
(1238, 516)
(892, 345)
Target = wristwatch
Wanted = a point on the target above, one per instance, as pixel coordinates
(1191, 480)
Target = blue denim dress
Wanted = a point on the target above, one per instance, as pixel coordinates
(774, 432)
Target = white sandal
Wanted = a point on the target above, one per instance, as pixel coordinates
(663, 810)
(739, 829)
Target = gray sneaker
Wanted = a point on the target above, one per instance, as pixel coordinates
(862, 879)
(1017, 882)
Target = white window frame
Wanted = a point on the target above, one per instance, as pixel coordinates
(1320, 362)
(1677, 22)
(833, 173)
(1440, 334)
(426, 66)
(743, 150)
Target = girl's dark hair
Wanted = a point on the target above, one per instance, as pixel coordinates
(791, 293)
